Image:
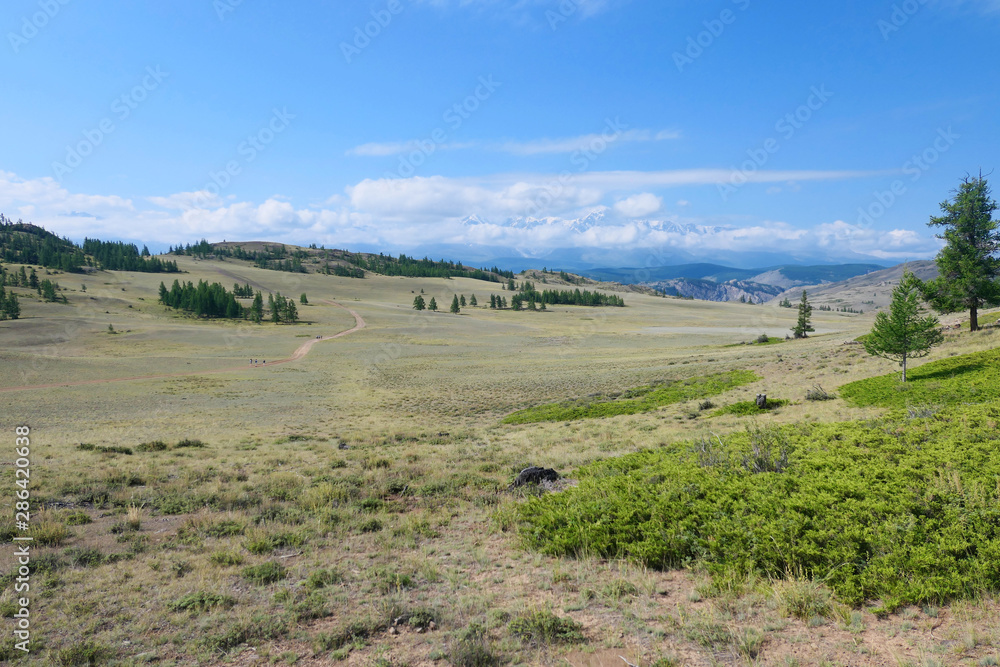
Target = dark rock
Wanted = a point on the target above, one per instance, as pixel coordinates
(535, 475)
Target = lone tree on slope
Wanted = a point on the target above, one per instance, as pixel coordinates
(802, 326)
(903, 333)
(433, 305)
(418, 303)
(968, 264)
(455, 308)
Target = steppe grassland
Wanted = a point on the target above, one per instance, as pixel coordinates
(400, 521)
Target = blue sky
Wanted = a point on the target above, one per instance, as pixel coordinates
(821, 130)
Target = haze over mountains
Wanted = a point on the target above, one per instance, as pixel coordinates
(604, 238)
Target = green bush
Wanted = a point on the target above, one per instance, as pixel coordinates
(968, 378)
(641, 399)
(154, 446)
(542, 627)
(83, 654)
(265, 573)
(202, 601)
(906, 511)
(747, 408)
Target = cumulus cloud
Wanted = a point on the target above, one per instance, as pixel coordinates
(639, 206)
(593, 211)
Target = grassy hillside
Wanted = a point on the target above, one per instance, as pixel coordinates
(331, 509)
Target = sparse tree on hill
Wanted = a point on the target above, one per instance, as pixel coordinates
(802, 326)
(903, 333)
(433, 305)
(418, 303)
(968, 264)
(303, 299)
(493, 301)
(33, 281)
(472, 301)
(461, 301)
(455, 308)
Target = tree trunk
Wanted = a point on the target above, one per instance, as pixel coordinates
(904, 367)
(973, 319)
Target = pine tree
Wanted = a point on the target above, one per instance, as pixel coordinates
(291, 312)
(968, 264)
(12, 307)
(272, 306)
(902, 333)
(418, 303)
(493, 301)
(473, 302)
(303, 300)
(455, 308)
(33, 281)
(433, 305)
(257, 309)
(802, 326)
(461, 301)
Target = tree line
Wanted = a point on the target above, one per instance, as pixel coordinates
(215, 301)
(409, 267)
(119, 256)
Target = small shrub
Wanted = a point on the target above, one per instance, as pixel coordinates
(769, 450)
(226, 558)
(89, 557)
(472, 649)
(370, 526)
(375, 463)
(620, 588)
(323, 578)
(803, 599)
(747, 408)
(202, 601)
(763, 339)
(265, 573)
(542, 627)
(705, 405)
(49, 533)
(154, 446)
(187, 442)
(817, 393)
(83, 654)
(78, 519)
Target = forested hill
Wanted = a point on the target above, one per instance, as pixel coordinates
(280, 257)
(25, 243)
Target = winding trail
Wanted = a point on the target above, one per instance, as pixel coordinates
(300, 353)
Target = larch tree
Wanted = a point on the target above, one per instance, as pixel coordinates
(904, 332)
(968, 265)
(803, 325)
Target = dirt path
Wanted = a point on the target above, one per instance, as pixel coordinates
(301, 352)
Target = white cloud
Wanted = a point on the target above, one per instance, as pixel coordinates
(639, 206)
(595, 142)
(585, 212)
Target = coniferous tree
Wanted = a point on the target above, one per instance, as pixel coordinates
(418, 303)
(473, 302)
(461, 301)
(903, 333)
(493, 301)
(272, 306)
(12, 307)
(455, 308)
(257, 309)
(968, 264)
(433, 305)
(47, 290)
(802, 326)
(303, 299)
(33, 281)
